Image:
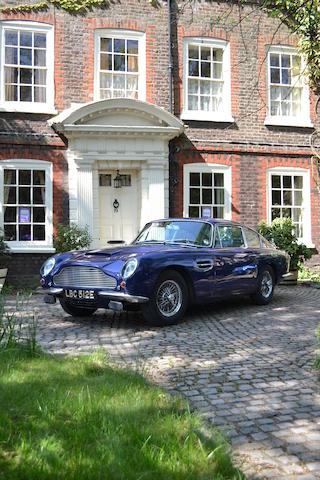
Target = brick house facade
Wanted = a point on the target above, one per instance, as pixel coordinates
(85, 97)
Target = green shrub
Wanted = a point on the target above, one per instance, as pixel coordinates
(281, 233)
(72, 237)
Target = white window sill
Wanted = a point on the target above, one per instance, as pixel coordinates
(288, 122)
(206, 117)
(28, 108)
(308, 243)
(31, 249)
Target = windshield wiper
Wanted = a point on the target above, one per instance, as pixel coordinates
(161, 242)
(182, 241)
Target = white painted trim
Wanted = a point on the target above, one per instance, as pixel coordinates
(307, 238)
(34, 246)
(208, 168)
(127, 35)
(30, 107)
(225, 116)
(74, 115)
(303, 120)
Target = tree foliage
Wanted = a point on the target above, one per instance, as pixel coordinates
(302, 17)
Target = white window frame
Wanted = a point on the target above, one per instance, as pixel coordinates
(302, 120)
(207, 168)
(306, 198)
(125, 35)
(30, 107)
(43, 246)
(225, 115)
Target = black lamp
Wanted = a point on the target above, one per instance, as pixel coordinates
(117, 182)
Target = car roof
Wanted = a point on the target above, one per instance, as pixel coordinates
(213, 221)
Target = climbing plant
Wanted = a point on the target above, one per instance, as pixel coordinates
(70, 6)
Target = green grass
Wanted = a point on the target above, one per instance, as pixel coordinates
(79, 418)
(10, 289)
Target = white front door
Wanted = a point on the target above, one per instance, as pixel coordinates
(118, 207)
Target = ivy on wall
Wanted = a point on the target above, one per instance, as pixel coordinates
(70, 6)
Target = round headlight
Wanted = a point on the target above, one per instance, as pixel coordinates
(129, 268)
(47, 266)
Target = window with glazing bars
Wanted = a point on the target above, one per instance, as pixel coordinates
(24, 205)
(287, 199)
(206, 195)
(119, 68)
(25, 66)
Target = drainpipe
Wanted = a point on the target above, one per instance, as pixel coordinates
(170, 56)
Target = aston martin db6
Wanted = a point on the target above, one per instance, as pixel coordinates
(171, 264)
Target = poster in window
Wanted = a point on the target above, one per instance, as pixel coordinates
(206, 212)
(24, 215)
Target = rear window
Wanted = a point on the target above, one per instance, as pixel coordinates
(252, 238)
(266, 244)
(229, 236)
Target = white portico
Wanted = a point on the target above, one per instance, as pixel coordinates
(110, 138)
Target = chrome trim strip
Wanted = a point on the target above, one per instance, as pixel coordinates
(125, 297)
(50, 291)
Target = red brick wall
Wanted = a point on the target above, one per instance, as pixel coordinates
(249, 182)
(248, 145)
(74, 47)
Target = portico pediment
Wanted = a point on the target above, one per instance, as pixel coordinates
(117, 117)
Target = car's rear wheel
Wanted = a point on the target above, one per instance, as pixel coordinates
(169, 300)
(265, 289)
(76, 311)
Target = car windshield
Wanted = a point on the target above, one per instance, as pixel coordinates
(173, 231)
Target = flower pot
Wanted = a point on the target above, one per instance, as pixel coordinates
(290, 278)
(3, 274)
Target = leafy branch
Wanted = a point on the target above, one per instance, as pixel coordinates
(302, 17)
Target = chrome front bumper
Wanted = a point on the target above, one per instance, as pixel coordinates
(117, 296)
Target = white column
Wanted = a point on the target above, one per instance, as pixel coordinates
(144, 196)
(85, 195)
(156, 192)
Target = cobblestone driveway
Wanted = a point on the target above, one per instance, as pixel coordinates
(248, 369)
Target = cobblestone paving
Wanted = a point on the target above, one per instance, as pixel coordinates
(248, 369)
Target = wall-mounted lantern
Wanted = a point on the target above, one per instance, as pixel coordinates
(117, 182)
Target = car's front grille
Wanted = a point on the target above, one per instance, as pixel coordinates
(83, 277)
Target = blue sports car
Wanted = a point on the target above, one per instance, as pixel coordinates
(171, 264)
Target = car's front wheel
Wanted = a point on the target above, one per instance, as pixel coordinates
(265, 289)
(169, 300)
(76, 311)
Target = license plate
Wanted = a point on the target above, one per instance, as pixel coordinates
(80, 294)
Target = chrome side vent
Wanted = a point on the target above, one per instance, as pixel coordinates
(204, 264)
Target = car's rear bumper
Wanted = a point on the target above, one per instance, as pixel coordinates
(102, 294)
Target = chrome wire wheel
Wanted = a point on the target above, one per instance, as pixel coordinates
(169, 298)
(266, 284)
